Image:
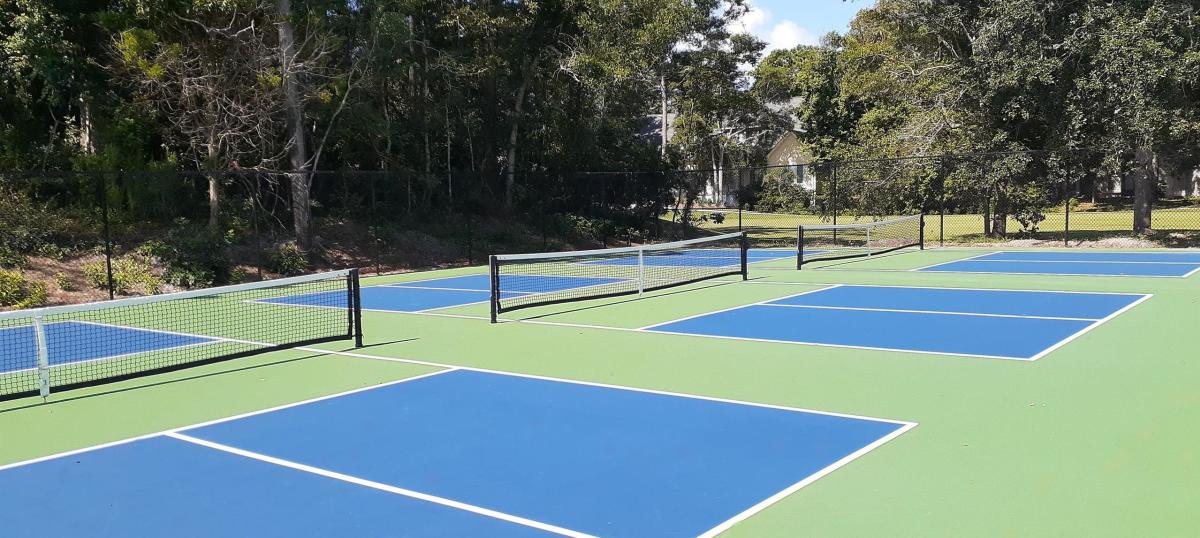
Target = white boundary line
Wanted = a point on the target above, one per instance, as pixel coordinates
(447, 368)
(651, 327)
(1194, 271)
(787, 283)
(225, 419)
(1106, 275)
(403, 287)
(839, 346)
(937, 312)
(378, 485)
(1085, 330)
(952, 261)
(1106, 262)
(765, 503)
(1086, 252)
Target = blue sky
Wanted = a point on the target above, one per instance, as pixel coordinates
(784, 24)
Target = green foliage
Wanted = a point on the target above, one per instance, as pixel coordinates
(288, 260)
(131, 275)
(31, 228)
(781, 193)
(193, 256)
(64, 282)
(18, 292)
(12, 288)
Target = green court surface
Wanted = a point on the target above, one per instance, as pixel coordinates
(1097, 438)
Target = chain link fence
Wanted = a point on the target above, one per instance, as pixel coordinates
(1029, 198)
(214, 228)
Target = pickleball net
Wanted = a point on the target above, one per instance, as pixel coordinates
(526, 280)
(63, 347)
(820, 242)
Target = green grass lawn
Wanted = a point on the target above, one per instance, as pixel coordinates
(1095, 439)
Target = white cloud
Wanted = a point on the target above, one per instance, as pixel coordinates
(788, 34)
(783, 34)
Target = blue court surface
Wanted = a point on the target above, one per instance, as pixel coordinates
(424, 295)
(456, 453)
(1006, 324)
(700, 258)
(77, 341)
(1146, 264)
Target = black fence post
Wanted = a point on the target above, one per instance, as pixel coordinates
(1067, 216)
(942, 202)
(834, 176)
(108, 250)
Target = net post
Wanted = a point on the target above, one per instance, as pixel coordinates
(355, 307)
(744, 241)
(799, 247)
(43, 354)
(641, 271)
(868, 229)
(494, 271)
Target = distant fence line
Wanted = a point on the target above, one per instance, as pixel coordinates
(1066, 197)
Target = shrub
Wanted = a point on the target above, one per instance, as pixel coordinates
(131, 274)
(781, 193)
(288, 260)
(11, 288)
(36, 294)
(9, 258)
(17, 291)
(63, 282)
(31, 227)
(192, 256)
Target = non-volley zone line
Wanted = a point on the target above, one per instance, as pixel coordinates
(1002, 324)
(498, 455)
(1081, 263)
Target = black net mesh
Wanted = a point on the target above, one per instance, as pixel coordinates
(835, 242)
(525, 280)
(71, 346)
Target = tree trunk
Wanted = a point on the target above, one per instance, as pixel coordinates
(662, 90)
(214, 181)
(293, 102)
(1145, 181)
(214, 199)
(1000, 215)
(510, 168)
(87, 139)
(987, 214)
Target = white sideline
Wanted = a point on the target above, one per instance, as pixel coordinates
(379, 486)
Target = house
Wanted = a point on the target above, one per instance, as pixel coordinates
(787, 151)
